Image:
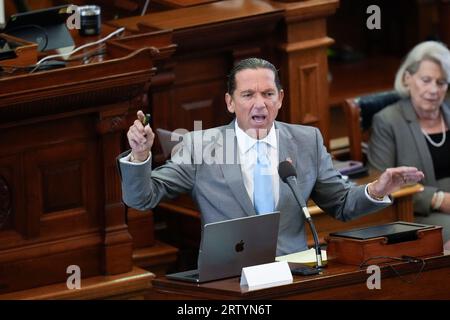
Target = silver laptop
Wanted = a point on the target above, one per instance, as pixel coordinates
(168, 140)
(228, 246)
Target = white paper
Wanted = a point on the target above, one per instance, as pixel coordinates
(307, 257)
(266, 275)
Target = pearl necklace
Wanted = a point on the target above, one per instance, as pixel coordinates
(437, 144)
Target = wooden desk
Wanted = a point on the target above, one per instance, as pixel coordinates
(134, 284)
(338, 281)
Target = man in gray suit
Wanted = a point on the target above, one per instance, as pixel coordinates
(218, 167)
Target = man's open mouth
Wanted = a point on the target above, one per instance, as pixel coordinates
(259, 118)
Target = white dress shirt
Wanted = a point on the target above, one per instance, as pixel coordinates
(247, 159)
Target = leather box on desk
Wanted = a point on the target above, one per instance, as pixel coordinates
(422, 242)
(26, 52)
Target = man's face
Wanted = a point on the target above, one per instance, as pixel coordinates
(256, 101)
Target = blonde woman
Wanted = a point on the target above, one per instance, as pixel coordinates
(415, 130)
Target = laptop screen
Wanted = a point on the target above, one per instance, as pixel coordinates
(230, 245)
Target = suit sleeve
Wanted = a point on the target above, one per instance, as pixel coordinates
(143, 188)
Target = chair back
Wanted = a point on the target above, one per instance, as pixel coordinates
(359, 112)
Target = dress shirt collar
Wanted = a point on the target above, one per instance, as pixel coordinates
(245, 142)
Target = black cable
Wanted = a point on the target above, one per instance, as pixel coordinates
(408, 259)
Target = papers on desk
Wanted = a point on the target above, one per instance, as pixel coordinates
(307, 257)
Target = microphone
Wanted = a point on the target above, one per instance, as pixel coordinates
(288, 174)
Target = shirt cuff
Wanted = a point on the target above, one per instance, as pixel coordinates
(127, 159)
(386, 199)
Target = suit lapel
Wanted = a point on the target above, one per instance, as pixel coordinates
(284, 152)
(414, 126)
(233, 176)
(284, 143)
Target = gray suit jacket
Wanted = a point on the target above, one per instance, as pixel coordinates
(219, 191)
(396, 140)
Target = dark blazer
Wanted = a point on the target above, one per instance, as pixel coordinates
(219, 191)
(396, 140)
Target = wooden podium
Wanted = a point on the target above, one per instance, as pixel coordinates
(61, 131)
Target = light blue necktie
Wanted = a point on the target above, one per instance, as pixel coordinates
(263, 198)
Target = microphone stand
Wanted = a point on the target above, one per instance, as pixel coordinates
(319, 262)
(288, 175)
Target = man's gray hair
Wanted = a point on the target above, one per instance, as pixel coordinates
(251, 63)
(428, 50)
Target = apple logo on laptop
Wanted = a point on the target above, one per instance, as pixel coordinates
(239, 246)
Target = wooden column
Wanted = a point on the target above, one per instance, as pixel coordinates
(118, 242)
(304, 63)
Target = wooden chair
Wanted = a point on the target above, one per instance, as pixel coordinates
(359, 112)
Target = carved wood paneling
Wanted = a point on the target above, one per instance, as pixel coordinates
(195, 105)
(62, 186)
(5, 202)
(308, 76)
(117, 239)
(74, 102)
(62, 191)
(33, 267)
(12, 175)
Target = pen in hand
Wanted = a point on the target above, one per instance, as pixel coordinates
(140, 137)
(145, 120)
